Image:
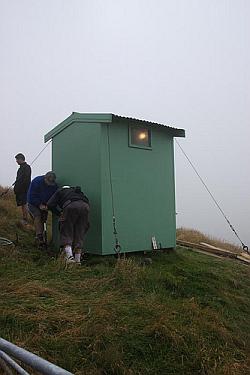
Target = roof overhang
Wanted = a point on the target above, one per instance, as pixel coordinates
(108, 118)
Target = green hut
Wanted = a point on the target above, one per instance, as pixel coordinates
(126, 168)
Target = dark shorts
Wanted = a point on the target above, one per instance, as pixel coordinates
(74, 224)
(21, 199)
(36, 212)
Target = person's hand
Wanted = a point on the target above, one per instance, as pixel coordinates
(43, 207)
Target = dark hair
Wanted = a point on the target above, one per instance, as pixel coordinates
(50, 175)
(20, 156)
(50, 178)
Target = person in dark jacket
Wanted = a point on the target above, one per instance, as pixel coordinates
(73, 206)
(21, 185)
(40, 191)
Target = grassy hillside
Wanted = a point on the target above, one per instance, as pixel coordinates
(185, 313)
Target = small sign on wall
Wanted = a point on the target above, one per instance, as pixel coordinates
(154, 243)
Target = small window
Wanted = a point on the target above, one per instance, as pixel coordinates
(140, 137)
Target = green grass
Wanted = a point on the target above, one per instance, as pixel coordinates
(186, 313)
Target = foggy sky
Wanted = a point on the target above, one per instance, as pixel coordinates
(184, 63)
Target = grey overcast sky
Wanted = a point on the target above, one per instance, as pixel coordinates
(179, 62)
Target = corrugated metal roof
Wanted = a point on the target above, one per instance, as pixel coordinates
(108, 118)
(146, 122)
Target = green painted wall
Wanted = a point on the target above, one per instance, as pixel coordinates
(143, 183)
(144, 190)
(76, 161)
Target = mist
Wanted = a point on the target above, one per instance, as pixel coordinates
(180, 63)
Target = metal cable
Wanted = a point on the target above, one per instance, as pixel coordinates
(33, 161)
(117, 247)
(245, 248)
(110, 174)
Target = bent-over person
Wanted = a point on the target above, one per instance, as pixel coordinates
(40, 191)
(73, 206)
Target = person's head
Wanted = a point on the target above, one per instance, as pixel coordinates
(50, 178)
(20, 158)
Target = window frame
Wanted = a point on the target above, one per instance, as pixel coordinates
(145, 128)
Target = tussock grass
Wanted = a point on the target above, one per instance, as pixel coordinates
(183, 314)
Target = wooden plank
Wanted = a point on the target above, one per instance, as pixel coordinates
(215, 251)
(243, 259)
(241, 256)
(216, 248)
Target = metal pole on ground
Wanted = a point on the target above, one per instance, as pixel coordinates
(34, 361)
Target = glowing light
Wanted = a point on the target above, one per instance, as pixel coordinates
(142, 136)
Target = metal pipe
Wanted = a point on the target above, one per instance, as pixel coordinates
(37, 363)
(12, 364)
(5, 368)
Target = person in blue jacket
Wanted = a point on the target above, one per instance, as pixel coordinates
(40, 191)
